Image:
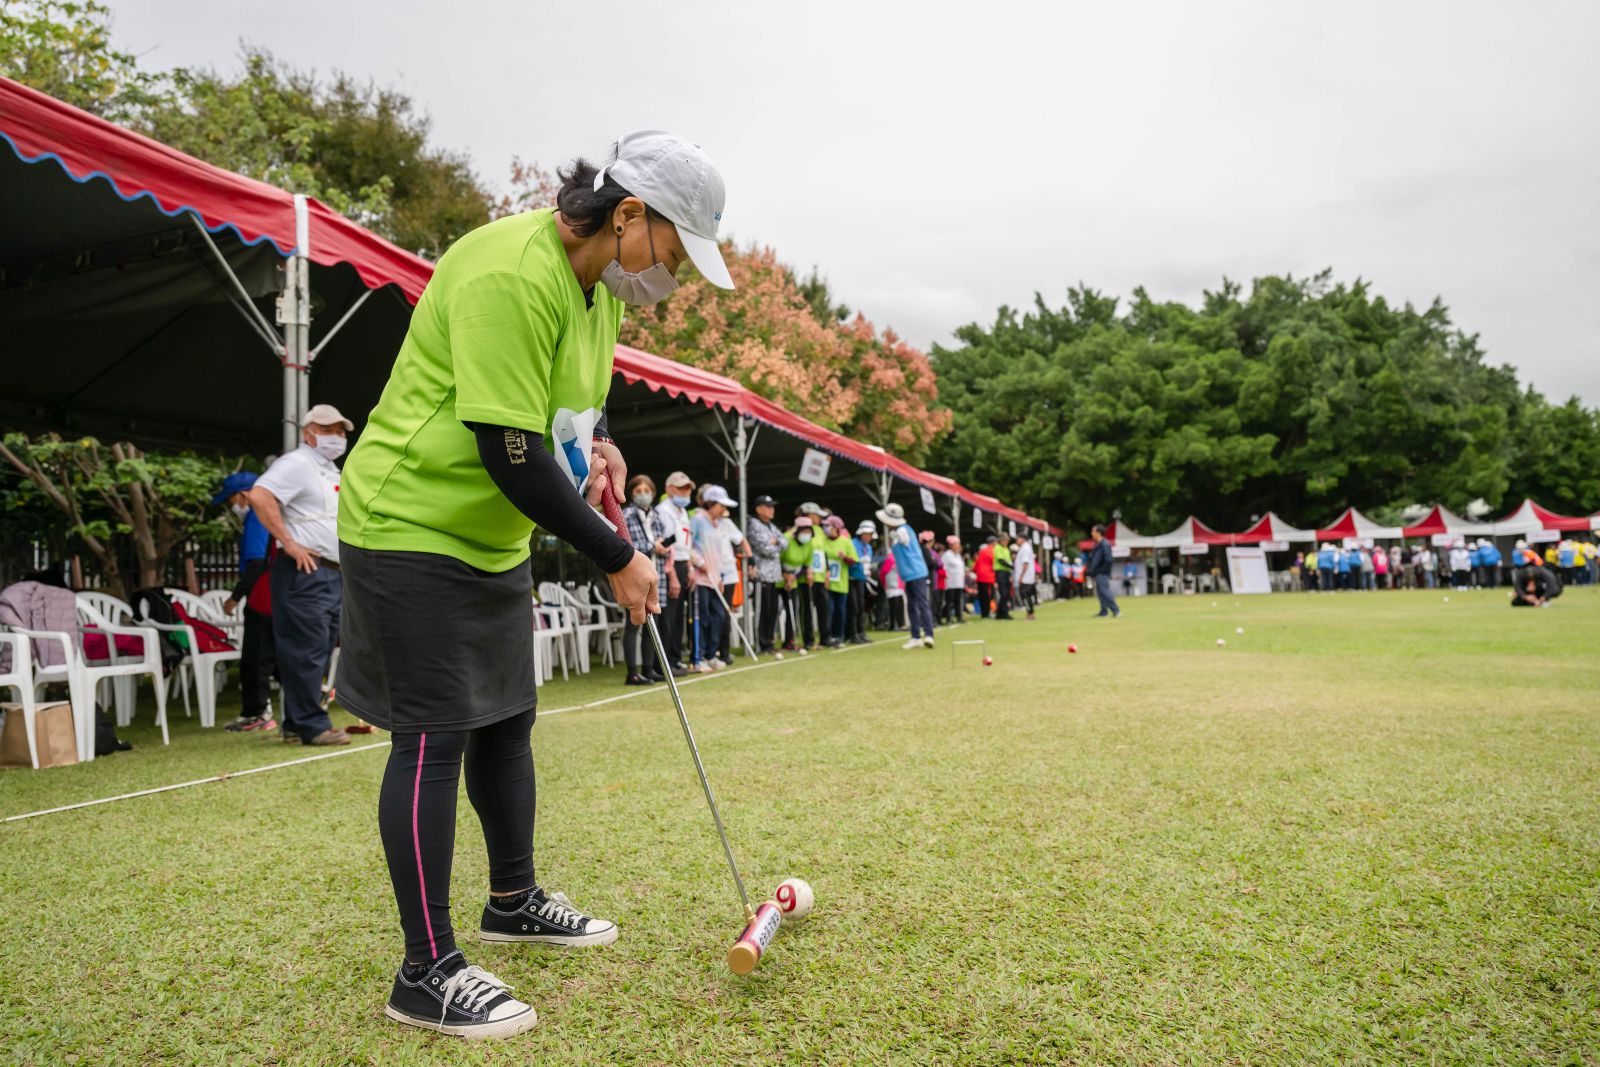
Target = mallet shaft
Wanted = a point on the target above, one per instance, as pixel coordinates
(688, 735)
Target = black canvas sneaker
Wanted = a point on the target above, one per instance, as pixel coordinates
(544, 920)
(455, 998)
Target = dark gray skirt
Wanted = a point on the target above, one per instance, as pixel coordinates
(428, 642)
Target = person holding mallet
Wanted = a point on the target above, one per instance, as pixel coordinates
(493, 420)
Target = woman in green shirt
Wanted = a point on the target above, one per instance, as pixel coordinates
(493, 420)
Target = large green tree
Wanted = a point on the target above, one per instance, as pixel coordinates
(1302, 396)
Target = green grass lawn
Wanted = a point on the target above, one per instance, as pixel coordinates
(1368, 829)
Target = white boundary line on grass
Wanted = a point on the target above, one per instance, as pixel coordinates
(385, 744)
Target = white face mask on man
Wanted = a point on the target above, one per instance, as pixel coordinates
(330, 446)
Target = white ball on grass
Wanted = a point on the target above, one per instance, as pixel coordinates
(1238, 629)
(1221, 641)
(794, 898)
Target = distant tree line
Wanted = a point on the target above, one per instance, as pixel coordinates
(1302, 396)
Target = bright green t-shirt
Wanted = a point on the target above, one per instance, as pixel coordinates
(1002, 557)
(795, 555)
(502, 335)
(840, 552)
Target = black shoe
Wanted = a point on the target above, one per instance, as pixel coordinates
(654, 676)
(636, 679)
(680, 671)
(456, 999)
(544, 920)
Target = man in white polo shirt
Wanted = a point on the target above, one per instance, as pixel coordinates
(297, 499)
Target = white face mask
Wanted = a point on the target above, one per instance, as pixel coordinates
(330, 446)
(803, 538)
(642, 289)
(643, 500)
(240, 510)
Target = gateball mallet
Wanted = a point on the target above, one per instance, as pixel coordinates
(761, 924)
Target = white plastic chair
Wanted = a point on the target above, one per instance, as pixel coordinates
(210, 669)
(550, 636)
(20, 678)
(123, 668)
(70, 672)
(1169, 583)
(554, 599)
(588, 620)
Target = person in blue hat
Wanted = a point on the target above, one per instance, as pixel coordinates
(256, 657)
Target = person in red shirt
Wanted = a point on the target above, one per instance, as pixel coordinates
(983, 568)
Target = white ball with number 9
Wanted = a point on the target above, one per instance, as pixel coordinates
(794, 898)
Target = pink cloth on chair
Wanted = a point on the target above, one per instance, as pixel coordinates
(36, 606)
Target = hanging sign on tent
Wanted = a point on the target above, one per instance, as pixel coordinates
(1274, 546)
(1036, 537)
(814, 467)
(977, 519)
(1443, 540)
(1011, 528)
(927, 501)
(1194, 550)
(1543, 537)
(1120, 551)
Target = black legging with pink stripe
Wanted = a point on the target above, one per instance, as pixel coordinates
(417, 820)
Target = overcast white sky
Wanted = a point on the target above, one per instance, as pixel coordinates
(939, 159)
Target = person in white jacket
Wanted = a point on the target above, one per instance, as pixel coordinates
(1027, 575)
(955, 581)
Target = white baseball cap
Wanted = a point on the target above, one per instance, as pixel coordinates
(715, 494)
(325, 415)
(676, 179)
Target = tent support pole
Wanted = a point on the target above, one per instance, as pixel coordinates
(311, 356)
(257, 319)
(741, 447)
(294, 312)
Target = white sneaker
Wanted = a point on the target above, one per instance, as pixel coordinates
(927, 642)
(716, 663)
(915, 642)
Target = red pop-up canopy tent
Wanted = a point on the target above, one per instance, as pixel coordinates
(1190, 531)
(1272, 528)
(1530, 517)
(1441, 520)
(1354, 524)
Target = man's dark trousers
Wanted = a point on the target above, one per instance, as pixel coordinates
(305, 627)
(1108, 599)
(256, 663)
(673, 609)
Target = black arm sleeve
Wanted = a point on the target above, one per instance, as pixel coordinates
(247, 578)
(602, 428)
(530, 479)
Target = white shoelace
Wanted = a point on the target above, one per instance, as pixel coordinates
(473, 987)
(558, 909)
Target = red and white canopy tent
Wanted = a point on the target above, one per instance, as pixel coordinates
(1271, 528)
(1122, 535)
(1530, 517)
(1354, 524)
(139, 285)
(1190, 531)
(1441, 520)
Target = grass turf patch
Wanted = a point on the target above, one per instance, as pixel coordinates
(1363, 830)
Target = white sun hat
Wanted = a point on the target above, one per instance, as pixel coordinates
(678, 180)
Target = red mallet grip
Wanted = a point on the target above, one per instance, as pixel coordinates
(613, 513)
(746, 952)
